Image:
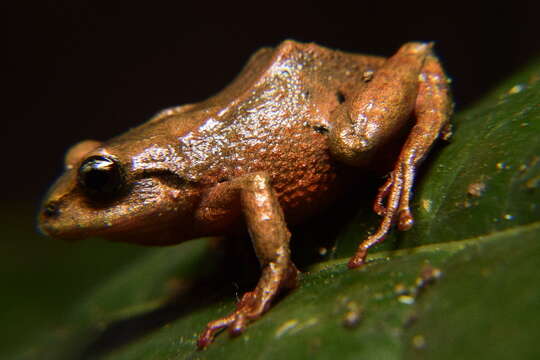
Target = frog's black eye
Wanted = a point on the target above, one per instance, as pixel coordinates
(101, 176)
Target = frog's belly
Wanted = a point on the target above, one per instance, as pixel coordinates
(307, 190)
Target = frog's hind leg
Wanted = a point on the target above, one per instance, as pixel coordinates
(410, 83)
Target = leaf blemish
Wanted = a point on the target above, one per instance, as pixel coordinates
(406, 299)
(476, 189)
(353, 315)
(428, 275)
(286, 327)
(516, 89)
(419, 342)
(533, 183)
(426, 205)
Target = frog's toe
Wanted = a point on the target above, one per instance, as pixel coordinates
(238, 326)
(378, 206)
(212, 328)
(205, 339)
(358, 260)
(406, 220)
(248, 308)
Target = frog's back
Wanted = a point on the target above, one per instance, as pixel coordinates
(275, 117)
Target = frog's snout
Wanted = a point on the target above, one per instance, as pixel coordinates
(50, 210)
(48, 213)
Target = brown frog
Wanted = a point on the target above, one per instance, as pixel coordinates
(270, 149)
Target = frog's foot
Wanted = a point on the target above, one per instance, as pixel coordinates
(246, 309)
(254, 303)
(397, 192)
(405, 218)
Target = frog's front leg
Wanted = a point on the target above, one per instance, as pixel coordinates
(270, 237)
(410, 83)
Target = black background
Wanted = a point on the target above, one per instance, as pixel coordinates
(79, 70)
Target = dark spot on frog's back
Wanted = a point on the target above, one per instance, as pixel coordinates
(340, 96)
(320, 129)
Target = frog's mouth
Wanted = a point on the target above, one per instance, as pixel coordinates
(72, 229)
(67, 219)
(59, 223)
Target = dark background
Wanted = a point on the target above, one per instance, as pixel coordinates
(80, 70)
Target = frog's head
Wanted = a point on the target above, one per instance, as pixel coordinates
(121, 192)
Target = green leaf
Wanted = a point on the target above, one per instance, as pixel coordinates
(460, 284)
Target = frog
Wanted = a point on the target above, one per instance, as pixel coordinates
(299, 123)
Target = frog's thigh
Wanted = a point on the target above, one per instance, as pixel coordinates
(420, 87)
(270, 237)
(378, 111)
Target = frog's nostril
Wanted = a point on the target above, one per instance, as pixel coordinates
(51, 209)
